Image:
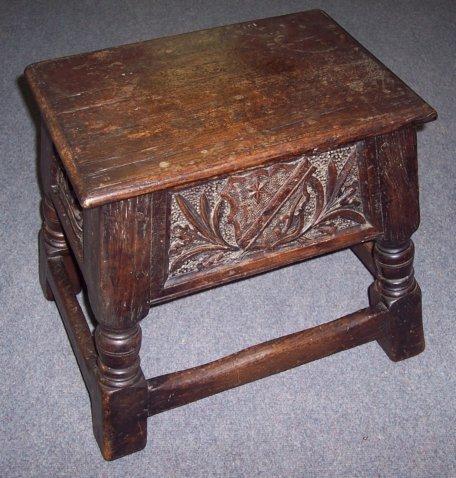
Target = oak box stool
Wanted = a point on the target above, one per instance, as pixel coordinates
(177, 164)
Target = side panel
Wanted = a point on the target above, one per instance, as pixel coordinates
(68, 209)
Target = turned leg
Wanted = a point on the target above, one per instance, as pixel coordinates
(395, 285)
(397, 288)
(120, 405)
(52, 242)
(118, 285)
(51, 237)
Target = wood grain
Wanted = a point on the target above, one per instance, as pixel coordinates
(393, 253)
(151, 115)
(364, 252)
(117, 252)
(73, 319)
(275, 356)
(268, 142)
(289, 204)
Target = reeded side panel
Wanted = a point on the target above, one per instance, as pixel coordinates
(288, 205)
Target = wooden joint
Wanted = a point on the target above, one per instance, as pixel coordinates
(395, 287)
(118, 392)
(364, 252)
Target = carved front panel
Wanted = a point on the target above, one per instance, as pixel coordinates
(289, 204)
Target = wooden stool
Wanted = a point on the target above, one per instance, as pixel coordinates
(177, 164)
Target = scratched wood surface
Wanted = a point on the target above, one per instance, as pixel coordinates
(151, 115)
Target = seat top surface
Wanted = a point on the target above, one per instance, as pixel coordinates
(165, 112)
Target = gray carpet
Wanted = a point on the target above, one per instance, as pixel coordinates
(353, 414)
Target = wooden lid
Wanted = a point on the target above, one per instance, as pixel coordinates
(142, 117)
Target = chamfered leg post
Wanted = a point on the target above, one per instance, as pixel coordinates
(51, 238)
(395, 285)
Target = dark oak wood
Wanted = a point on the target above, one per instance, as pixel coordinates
(69, 211)
(73, 319)
(119, 402)
(269, 216)
(117, 239)
(394, 251)
(178, 164)
(365, 253)
(117, 388)
(162, 113)
(261, 263)
(51, 239)
(117, 245)
(275, 356)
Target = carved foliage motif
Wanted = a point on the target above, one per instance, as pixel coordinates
(287, 204)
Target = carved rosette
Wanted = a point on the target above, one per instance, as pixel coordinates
(285, 205)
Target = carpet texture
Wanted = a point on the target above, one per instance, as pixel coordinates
(352, 414)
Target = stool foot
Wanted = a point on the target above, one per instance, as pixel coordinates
(404, 335)
(397, 288)
(120, 403)
(119, 419)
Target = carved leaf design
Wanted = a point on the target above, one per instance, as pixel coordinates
(183, 258)
(216, 217)
(204, 211)
(348, 196)
(342, 177)
(331, 177)
(319, 198)
(268, 208)
(206, 225)
(346, 213)
(200, 223)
